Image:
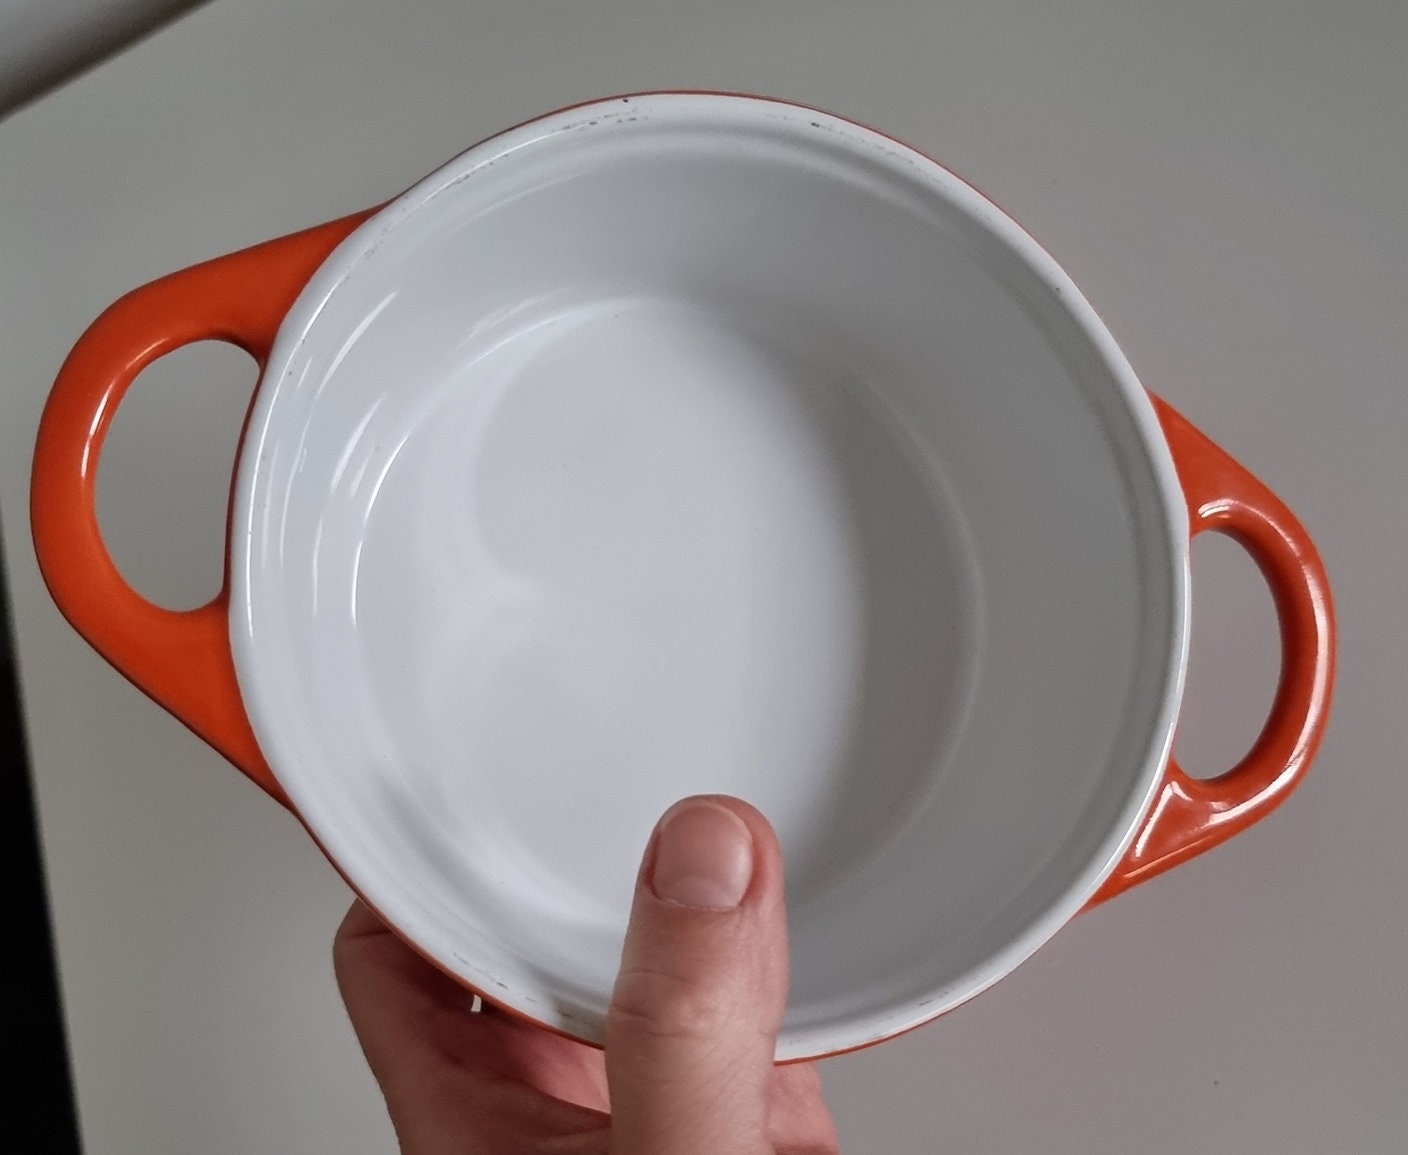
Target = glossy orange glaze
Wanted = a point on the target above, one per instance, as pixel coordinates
(1191, 815)
(180, 659)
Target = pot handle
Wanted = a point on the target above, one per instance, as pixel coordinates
(1191, 815)
(181, 659)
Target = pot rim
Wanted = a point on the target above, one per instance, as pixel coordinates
(380, 229)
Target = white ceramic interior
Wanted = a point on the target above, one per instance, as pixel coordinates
(700, 443)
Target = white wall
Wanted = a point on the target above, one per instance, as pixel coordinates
(1225, 181)
(42, 42)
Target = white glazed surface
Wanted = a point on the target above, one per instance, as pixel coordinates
(700, 443)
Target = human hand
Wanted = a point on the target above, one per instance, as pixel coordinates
(688, 1067)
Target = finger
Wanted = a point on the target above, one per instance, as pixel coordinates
(444, 1070)
(406, 1013)
(693, 1022)
(800, 1122)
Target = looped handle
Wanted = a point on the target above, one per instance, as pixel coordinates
(1191, 815)
(181, 659)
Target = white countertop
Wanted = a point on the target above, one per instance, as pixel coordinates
(1226, 182)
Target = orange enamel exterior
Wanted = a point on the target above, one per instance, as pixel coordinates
(1191, 815)
(183, 661)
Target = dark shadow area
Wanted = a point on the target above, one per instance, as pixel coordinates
(38, 1085)
(48, 43)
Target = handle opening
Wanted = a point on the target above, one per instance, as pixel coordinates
(163, 488)
(1234, 659)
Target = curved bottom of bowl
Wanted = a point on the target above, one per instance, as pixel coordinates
(640, 549)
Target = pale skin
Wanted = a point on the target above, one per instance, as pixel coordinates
(690, 1036)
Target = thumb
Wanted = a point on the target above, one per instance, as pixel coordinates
(693, 1022)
